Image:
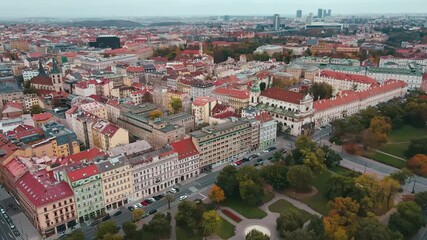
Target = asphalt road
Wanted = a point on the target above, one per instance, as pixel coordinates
(192, 188)
(5, 231)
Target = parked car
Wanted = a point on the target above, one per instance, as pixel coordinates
(245, 159)
(198, 200)
(12, 226)
(177, 189)
(153, 211)
(270, 158)
(183, 197)
(94, 223)
(266, 150)
(107, 217)
(152, 199)
(131, 208)
(119, 227)
(145, 215)
(233, 164)
(272, 148)
(139, 205)
(173, 191)
(63, 236)
(259, 160)
(117, 213)
(2, 210)
(238, 162)
(144, 203)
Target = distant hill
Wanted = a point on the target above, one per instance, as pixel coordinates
(165, 24)
(106, 23)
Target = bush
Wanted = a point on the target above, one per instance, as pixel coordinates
(352, 148)
(231, 215)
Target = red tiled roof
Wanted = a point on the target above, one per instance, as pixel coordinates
(16, 168)
(264, 117)
(7, 147)
(82, 173)
(185, 148)
(202, 101)
(40, 194)
(133, 69)
(190, 52)
(283, 95)
(13, 105)
(88, 155)
(42, 116)
(349, 77)
(110, 130)
(226, 114)
(41, 80)
(235, 93)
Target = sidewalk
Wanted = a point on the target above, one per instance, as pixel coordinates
(390, 155)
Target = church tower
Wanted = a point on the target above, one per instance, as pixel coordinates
(255, 93)
(200, 49)
(56, 76)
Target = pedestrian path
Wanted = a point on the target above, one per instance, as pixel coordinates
(390, 155)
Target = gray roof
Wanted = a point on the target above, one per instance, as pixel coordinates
(209, 130)
(147, 156)
(111, 163)
(131, 148)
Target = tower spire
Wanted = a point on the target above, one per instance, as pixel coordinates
(55, 69)
(42, 72)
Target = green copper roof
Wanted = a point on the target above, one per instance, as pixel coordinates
(255, 87)
(55, 69)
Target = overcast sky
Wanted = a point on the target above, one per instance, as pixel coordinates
(114, 8)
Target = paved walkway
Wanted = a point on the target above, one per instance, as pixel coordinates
(391, 155)
(269, 221)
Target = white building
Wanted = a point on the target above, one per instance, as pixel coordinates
(201, 109)
(412, 77)
(267, 130)
(392, 62)
(30, 100)
(100, 63)
(345, 81)
(27, 74)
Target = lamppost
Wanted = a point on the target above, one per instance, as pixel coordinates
(365, 167)
(413, 186)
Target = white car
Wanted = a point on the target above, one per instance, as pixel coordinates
(152, 199)
(2, 210)
(266, 150)
(172, 191)
(135, 206)
(12, 226)
(139, 205)
(183, 197)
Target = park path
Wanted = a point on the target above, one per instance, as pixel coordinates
(391, 155)
(268, 221)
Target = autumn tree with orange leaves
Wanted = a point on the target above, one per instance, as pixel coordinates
(339, 223)
(216, 194)
(418, 164)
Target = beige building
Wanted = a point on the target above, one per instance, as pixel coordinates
(49, 205)
(184, 97)
(95, 108)
(117, 181)
(238, 99)
(107, 135)
(222, 143)
(202, 109)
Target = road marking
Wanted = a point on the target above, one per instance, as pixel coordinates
(204, 197)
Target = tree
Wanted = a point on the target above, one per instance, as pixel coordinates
(155, 114)
(251, 192)
(380, 127)
(341, 218)
(300, 234)
(216, 194)
(129, 228)
(316, 226)
(389, 187)
(176, 104)
(371, 195)
(249, 173)
(227, 180)
(289, 221)
(300, 177)
(30, 90)
(401, 175)
(169, 199)
(418, 164)
(314, 160)
(160, 226)
(106, 227)
(421, 199)
(408, 219)
(189, 215)
(109, 236)
(304, 142)
(256, 235)
(417, 146)
(371, 229)
(36, 109)
(137, 214)
(278, 156)
(321, 91)
(331, 157)
(340, 186)
(275, 175)
(211, 222)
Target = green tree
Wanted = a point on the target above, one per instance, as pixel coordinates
(331, 157)
(227, 180)
(341, 186)
(316, 226)
(408, 219)
(289, 221)
(278, 156)
(321, 91)
(417, 146)
(30, 90)
(155, 114)
(106, 227)
(251, 192)
(249, 173)
(256, 235)
(36, 109)
(129, 228)
(300, 177)
(76, 235)
(211, 222)
(421, 199)
(300, 234)
(137, 214)
(276, 176)
(304, 142)
(160, 226)
(314, 160)
(371, 229)
(110, 236)
(176, 104)
(189, 215)
(169, 198)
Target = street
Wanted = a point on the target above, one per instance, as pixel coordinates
(5, 231)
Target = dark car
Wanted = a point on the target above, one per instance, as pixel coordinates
(270, 158)
(131, 208)
(149, 201)
(94, 223)
(117, 213)
(245, 159)
(63, 236)
(151, 212)
(158, 197)
(177, 189)
(145, 215)
(259, 160)
(272, 148)
(253, 156)
(107, 217)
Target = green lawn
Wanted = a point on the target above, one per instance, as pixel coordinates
(394, 162)
(281, 206)
(243, 208)
(340, 170)
(186, 234)
(226, 229)
(319, 201)
(397, 149)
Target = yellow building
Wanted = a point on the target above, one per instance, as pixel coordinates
(202, 109)
(170, 94)
(117, 181)
(95, 108)
(107, 135)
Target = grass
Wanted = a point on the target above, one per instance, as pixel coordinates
(281, 206)
(319, 201)
(226, 229)
(396, 149)
(340, 170)
(243, 208)
(391, 161)
(183, 233)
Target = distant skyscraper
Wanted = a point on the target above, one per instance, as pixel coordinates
(325, 13)
(226, 18)
(299, 13)
(276, 22)
(310, 18)
(329, 12)
(319, 13)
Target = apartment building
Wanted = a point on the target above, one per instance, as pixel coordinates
(345, 81)
(95, 108)
(238, 99)
(267, 130)
(117, 181)
(85, 181)
(100, 63)
(202, 109)
(48, 204)
(65, 140)
(31, 100)
(106, 135)
(188, 158)
(222, 143)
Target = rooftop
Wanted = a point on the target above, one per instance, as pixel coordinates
(77, 172)
(131, 148)
(111, 163)
(213, 130)
(283, 95)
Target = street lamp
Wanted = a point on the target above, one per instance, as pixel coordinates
(413, 187)
(365, 167)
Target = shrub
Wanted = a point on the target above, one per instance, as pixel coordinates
(352, 148)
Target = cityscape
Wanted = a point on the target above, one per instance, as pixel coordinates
(211, 120)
